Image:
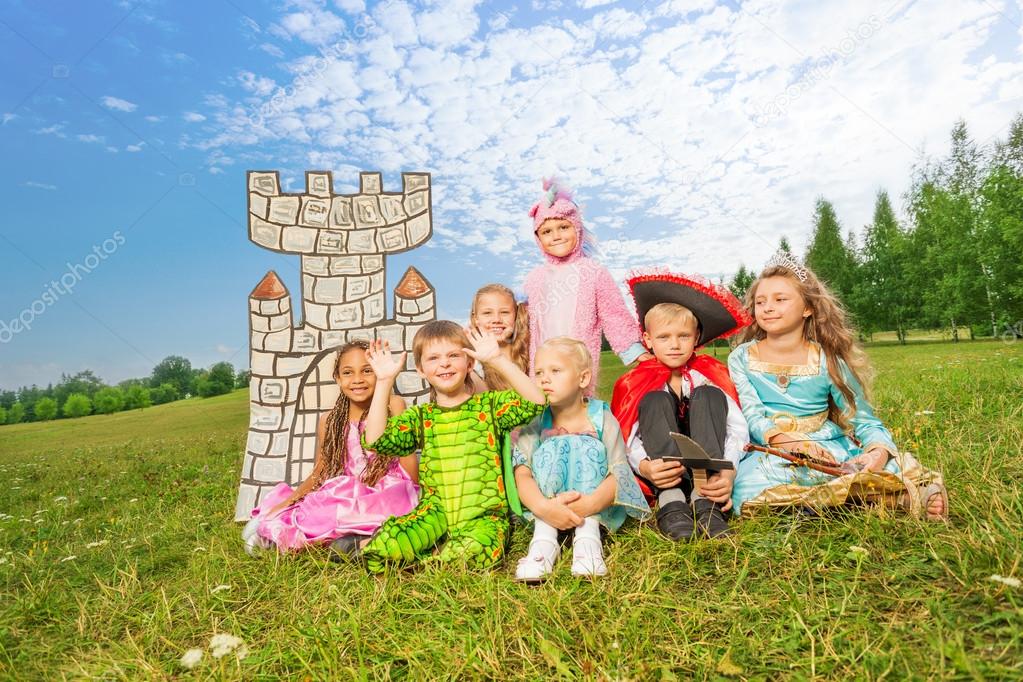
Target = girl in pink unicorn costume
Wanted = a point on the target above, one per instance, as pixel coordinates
(572, 294)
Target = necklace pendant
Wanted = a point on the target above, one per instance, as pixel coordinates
(783, 382)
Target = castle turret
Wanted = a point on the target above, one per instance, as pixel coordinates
(272, 397)
(270, 315)
(414, 306)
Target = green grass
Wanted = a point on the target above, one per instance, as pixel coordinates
(785, 599)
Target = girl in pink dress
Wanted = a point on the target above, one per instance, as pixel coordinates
(350, 492)
(572, 294)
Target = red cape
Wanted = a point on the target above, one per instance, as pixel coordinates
(651, 375)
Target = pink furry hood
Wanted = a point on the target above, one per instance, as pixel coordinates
(557, 202)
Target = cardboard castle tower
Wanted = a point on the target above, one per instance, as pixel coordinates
(343, 241)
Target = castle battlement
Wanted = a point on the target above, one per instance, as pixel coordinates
(343, 241)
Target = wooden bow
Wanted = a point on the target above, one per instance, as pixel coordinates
(802, 459)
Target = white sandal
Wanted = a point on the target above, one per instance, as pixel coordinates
(589, 562)
(537, 565)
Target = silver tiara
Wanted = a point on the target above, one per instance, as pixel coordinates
(785, 260)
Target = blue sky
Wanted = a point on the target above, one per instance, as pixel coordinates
(695, 133)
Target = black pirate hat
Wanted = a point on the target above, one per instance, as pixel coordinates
(718, 311)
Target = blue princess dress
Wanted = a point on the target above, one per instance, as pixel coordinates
(562, 462)
(780, 398)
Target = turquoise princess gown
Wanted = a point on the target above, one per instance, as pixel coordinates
(783, 398)
(562, 462)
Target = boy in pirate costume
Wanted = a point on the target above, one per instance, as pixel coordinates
(681, 392)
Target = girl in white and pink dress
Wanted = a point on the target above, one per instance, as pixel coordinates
(350, 492)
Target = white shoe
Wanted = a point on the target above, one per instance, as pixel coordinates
(254, 542)
(539, 561)
(587, 555)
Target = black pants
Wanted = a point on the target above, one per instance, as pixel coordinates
(702, 417)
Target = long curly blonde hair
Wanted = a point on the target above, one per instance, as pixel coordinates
(520, 334)
(826, 325)
(334, 450)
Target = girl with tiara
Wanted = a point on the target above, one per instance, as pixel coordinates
(802, 381)
(572, 294)
(350, 491)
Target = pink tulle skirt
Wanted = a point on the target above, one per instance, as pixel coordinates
(343, 505)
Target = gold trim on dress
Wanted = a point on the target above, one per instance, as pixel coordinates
(787, 423)
(811, 368)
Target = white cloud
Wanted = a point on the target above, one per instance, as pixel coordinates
(135, 147)
(90, 138)
(118, 104)
(39, 185)
(450, 24)
(154, 119)
(57, 130)
(590, 4)
(655, 115)
(8, 117)
(271, 50)
(193, 117)
(396, 19)
(351, 6)
(257, 85)
(314, 25)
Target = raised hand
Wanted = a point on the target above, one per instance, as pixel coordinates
(485, 346)
(386, 365)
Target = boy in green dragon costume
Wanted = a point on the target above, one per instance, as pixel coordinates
(462, 487)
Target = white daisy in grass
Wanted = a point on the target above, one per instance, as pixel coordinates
(98, 543)
(191, 658)
(222, 644)
(69, 558)
(1005, 580)
(220, 588)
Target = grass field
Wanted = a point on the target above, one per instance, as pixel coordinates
(118, 554)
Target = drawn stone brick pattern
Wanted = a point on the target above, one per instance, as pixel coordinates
(343, 241)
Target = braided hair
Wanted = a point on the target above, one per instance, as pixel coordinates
(334, 450)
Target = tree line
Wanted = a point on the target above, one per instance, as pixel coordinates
(84, 393)
(955, 258)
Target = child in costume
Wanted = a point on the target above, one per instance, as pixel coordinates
(495, 310)
(681, 392)
(350, 491)
(572, 294)
(574, 447)
(462, 488)
(801, 376)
